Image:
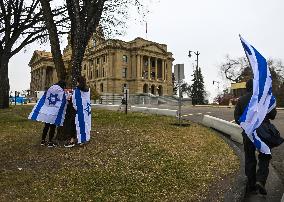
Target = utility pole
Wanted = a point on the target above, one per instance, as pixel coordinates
(179, 74)
(196, 71)
(218, 83)
(197, 54)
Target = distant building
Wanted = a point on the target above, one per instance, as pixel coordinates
(110, 65)
(238, 89)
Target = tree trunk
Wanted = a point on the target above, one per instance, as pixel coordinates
(54, 40)
(4, 83)
(77, 60)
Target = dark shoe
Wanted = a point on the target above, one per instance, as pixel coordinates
(251, 190)
(43, 142)
(51, 144)
(260, 188)
(69, 145)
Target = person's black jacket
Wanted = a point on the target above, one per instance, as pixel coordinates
(243, 102)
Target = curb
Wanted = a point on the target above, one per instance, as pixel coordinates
(231, 129)
(226, 106)
(236, 192)
(147, 110)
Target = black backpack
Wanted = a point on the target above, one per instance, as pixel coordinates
(269, 134)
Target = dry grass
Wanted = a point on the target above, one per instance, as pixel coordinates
(134, 157)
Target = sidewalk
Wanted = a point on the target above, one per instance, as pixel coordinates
(274, 187)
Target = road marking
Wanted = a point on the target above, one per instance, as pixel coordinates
(199, 113)
(208, 112)
(185, 115)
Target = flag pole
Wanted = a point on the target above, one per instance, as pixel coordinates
(146, 30)
(246, 53)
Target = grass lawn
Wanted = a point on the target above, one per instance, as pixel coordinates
(133, 157)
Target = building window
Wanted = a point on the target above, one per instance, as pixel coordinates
(97, 73)
(104, 58)
(153, 64)
(124, 72)
(124, 58)
(146, 63)
(103, 72)
(91, 74)
(85, 66)
(98, 60)
(102, 87)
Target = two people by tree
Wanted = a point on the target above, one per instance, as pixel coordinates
(51, 109)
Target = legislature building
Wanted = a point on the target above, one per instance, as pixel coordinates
(110, 65)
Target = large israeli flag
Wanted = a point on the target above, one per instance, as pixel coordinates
(82, 104)
(262, 100)
(51, 107)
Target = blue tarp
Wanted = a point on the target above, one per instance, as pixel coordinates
(19, 99)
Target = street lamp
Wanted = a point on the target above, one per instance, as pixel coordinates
(218, 83)
(196, 72)
(197, 54)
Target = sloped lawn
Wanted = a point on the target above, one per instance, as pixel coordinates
(133, 157)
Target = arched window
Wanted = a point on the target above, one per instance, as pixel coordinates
(153, 89)
(160, 90)
(145, 88)
(102, 87)
(124, 58)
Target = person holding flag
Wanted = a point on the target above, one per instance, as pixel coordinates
(82, 105)
(50, 109)
(251, 110)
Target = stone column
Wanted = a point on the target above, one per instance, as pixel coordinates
(156, 69)
(141, 66)
(138, 67)
(43, 78)
(149, 68)
(113, 64)
(163, 70)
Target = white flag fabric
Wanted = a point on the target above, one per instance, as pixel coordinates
(262, 100)
(51, 107)
(82, 104)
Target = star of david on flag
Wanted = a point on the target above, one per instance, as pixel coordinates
(53, 99)
(262, 100)
(88, 109)
(51, 107)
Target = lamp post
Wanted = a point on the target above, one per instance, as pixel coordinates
(218, 83)
(197, 54)
(196, 72)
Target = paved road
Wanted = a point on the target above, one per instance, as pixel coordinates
(196, 114)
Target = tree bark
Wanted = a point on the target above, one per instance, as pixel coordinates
(54, 40)
(4, 83)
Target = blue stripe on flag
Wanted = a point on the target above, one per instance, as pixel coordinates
(262, 72)
(38, 107)
(256, 142)
(80, 112)
(60, 112)
(246, 48)
(244, 115)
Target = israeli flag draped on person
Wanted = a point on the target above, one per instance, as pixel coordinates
(51, 107)
(262, 100)
(82, 104)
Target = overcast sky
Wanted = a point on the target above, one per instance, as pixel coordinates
(210, 27)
